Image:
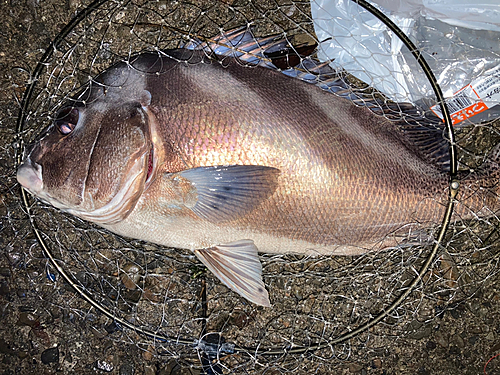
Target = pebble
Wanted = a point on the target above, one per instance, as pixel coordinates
(458, 341)
(240, 319)
(449, 271)
(21, 293)
(172, 367)
(98, 333)
(430, 345)
(113, 294)
(297, 293)
(473, 339)
(27, 319)
(151, 296)
(475, 329)
(131, 276)
(148, 353)
(474, 308)
(112, 327)
(455, 313)
(355, 367)
(441, 339)
(50, 355)
(482, 311)
(5, 271)
(14, 258)
(5, 348)
(133, 296)
(454, 350)
(4, 288)
(185, 370)
(103, 366)
(74, 5)
(495, 348)
(421, 333)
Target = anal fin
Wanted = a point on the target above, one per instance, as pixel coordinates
(237, 265)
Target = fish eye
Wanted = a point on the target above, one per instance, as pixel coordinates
(66, 120)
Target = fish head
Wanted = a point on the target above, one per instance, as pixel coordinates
(96, 157)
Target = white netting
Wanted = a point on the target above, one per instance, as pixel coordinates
(315, 300)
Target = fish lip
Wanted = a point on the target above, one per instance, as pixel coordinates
(29, 176)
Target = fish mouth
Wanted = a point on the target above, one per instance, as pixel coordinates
(29, 175)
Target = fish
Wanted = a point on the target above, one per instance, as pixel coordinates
(190, 151)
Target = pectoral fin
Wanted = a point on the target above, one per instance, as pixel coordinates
(226, 192)
(237, 265)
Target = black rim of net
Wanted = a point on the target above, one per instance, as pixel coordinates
(213, 350)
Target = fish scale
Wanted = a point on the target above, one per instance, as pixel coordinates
(360, 185)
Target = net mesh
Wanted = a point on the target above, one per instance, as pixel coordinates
(168, 292)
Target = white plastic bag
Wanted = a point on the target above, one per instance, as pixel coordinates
(478, 15)
(462, 58)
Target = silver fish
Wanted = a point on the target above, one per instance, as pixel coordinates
(226, 161)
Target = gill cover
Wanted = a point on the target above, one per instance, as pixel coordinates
(93, 160)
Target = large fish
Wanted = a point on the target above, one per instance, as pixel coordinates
(226, 161)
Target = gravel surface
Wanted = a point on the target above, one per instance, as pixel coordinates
(449, 325)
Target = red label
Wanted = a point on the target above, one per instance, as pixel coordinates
(468, 112)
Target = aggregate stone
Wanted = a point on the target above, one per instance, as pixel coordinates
(103, 365)
(355, 367)
(22, 46)
(50, 355)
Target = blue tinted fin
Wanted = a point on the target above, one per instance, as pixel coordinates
(293, 56)
(237, 265)
(227, 192)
